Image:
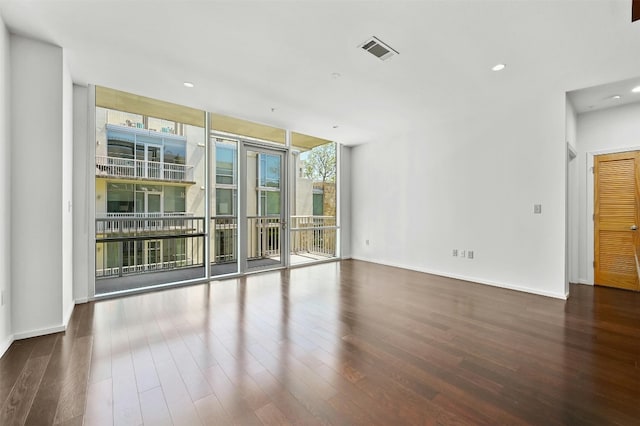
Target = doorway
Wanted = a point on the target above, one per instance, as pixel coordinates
(616, 239)
(263, 208)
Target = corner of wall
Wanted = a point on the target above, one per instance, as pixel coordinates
(67, 190)
(345, 202)
(6, 325)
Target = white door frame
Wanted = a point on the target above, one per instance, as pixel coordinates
(246, 146)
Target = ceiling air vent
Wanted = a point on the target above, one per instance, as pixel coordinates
(378, 49)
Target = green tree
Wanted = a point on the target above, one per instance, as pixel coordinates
(320, 164)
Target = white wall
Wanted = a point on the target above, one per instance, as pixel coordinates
(67, 193)
(572, 195)
(344, 180)
(470, 184)
(39, 188)
(6, 333)
(609, 130)
(83, 179)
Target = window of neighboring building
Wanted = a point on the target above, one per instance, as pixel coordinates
(269, 184)
(145, 198)
(120, 198)
(225, 201)
(269, 203)
(143, 145)
(174, 152)
(270, 171)
(225, 163)
(318, 204)
(174, 199)
(226, 177)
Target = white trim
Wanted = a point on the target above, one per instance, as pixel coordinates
(81, 300)
(585, 282)
(90, 202)
(6, 344)
(49, 330)
(614, 150)
(40, 332)
(507, 286)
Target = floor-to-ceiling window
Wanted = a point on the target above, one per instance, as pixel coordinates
(313, 223)
(176, 200)
(150, 180)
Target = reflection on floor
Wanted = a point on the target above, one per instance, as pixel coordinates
(129, 282)
(135, 281)
(300, 258)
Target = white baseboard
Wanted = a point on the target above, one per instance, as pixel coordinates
(508, 286)
(49, 330)
(40, 332)
(585, 282)
(67, 316)
(81, 300)
(5, 345)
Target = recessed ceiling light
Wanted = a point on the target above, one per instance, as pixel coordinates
(636, 89)
(615, 97)
(188, 84)
(498, 67)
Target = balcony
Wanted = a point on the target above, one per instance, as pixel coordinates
(130, 225)
(131, 247)
(126, 168)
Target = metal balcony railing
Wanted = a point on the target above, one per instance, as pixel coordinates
(313, 234)
(263, 237)
(225, 241)
(140, 169)
(148, 242)
(128, 243)
(139, 224)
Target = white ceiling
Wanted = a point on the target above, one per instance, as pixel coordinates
(249, 57)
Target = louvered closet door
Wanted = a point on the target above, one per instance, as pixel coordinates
(616, 220)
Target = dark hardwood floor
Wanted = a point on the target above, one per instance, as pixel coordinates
(340, 343)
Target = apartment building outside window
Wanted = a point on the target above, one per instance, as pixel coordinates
(152, 187)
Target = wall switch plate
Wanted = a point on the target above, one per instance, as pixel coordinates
(469, 254)
(367, 242)
(455, 252)
(461, 253)
(537, 209)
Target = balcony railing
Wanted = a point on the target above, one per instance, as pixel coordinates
(148, 224)
(128, 243)
(314, 235)
(225, 230)
(140, 169)
(263, 237)
(140, 243)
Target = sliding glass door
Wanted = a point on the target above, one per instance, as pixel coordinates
(263, 224)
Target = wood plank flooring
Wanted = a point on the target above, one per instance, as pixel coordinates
(341, 343)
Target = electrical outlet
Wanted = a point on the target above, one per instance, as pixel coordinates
(461, 253)
(455, 253)
(469, 254)
(367, 242)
